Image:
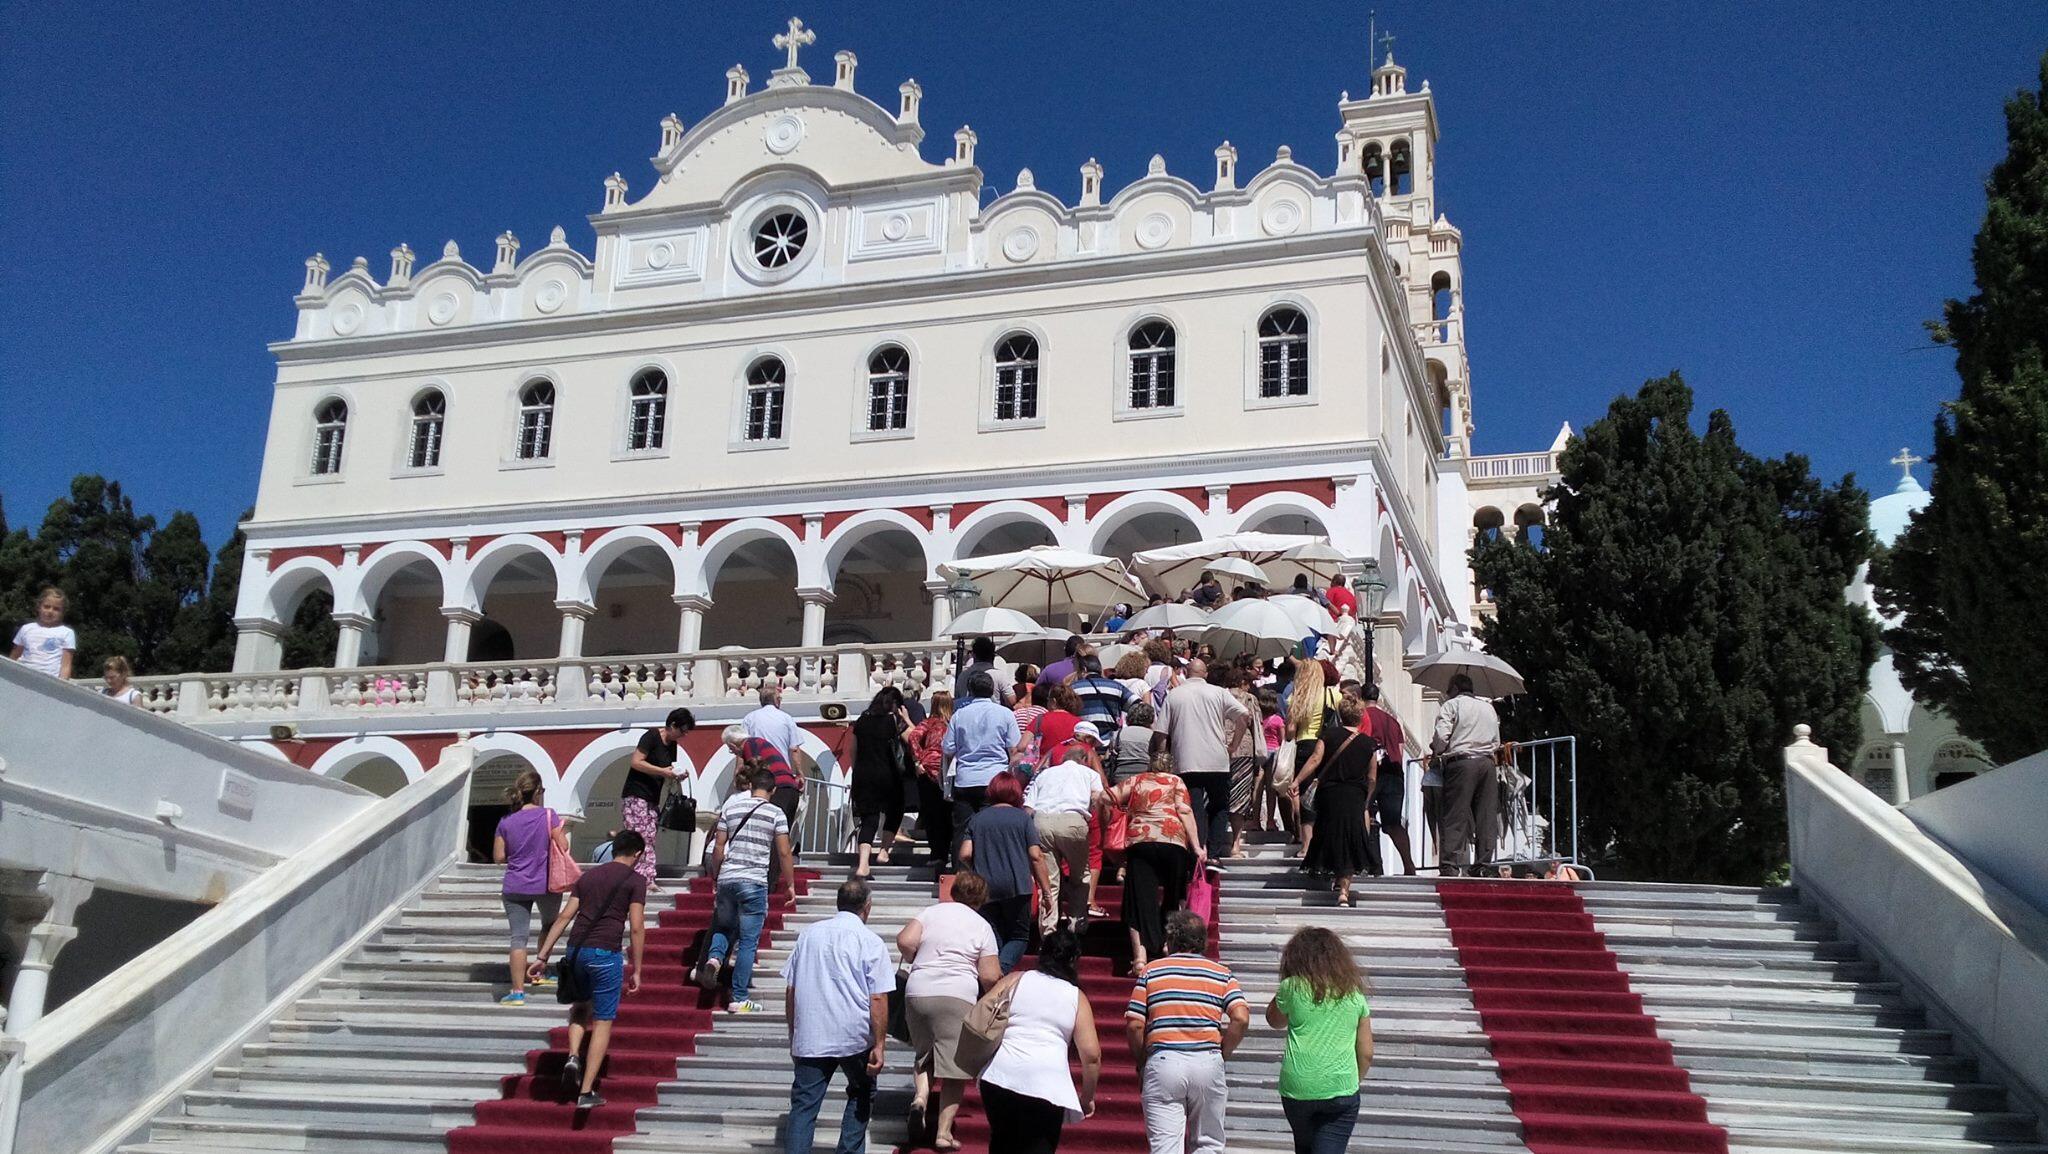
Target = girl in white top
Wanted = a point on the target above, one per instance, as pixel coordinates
(117, 674)
(46, 644)
(1027, 1091)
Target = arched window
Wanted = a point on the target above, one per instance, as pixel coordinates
(1375, 169)
(766, 381)
(1017, 378)
(330, 428)
(1283, 353)
(429, 411)
(536, 421)
(1400, 170)
(647, 411)
(1151, 347)
(888, 390)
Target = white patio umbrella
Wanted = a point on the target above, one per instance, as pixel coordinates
(1038, 647)
(994, 622)
(1280, 555)
(1047, 579)
(1239, 568)
(1172, 615)
(1491, 677)
(1109, 655)
(1252, 626)
(1312, 617)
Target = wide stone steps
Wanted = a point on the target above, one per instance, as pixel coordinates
(1796, 1041)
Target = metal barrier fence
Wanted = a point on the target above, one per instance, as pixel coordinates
(824, 819)
(1539, 815)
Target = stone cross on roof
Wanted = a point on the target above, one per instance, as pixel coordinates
(794, 39)
(1906, 459)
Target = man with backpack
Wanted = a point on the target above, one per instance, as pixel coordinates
(752, 832)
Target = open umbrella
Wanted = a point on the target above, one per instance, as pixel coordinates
(1172, 615)
(1037, 647)
(1491, 677)
(1312, 617)
(1252, 626)
(1048, 579)
(1239, 568)
(1280, 555)
(991, 623)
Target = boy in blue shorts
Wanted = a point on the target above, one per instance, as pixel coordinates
(606, 901)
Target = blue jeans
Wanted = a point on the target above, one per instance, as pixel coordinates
(807, 1093)
(745, 905)
(1322, 1125)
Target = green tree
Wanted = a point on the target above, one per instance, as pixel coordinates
(98, 539)
(1684, 610)
(1964, 579)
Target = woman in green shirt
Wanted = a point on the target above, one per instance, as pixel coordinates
(1321, 1004)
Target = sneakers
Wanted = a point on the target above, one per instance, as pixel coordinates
(590, 1101)
(545, 981)
(572, 1072)
(706, 977)
(515, 998)
(747, 1007)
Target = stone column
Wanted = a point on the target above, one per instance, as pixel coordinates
(348, 645)
(572, 679)
(456, 649)
(942, 609)
(1902, 786)
(690, 630)
(814, 601)
(50, 902)
(259, 645)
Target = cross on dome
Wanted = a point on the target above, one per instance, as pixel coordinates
(1906, 459)
(794, 39)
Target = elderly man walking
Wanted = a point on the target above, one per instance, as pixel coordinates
(840, 979)
(773, 725)
(1187, 1014)
(1467, 733)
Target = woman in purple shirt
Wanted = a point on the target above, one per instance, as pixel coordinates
(524, 836)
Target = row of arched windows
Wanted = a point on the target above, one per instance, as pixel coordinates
(1149, 347)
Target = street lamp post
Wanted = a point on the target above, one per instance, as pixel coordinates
(1372, 590)
(965, 597)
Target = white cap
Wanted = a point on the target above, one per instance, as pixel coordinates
(1087, 731)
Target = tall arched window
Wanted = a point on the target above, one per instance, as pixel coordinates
(1017, 378)
(429, 411)
(647, 411)
(888, 390)
(766, 381)
(330, 428)
(1151, 347)
(536, 421)
(1283, 353)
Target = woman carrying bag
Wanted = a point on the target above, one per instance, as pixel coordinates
(881, 763)
(1030, 1019)
(534, 849)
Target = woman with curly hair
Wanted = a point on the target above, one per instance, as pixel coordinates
(1321, 1004)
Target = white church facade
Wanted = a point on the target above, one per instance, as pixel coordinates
(804, 366)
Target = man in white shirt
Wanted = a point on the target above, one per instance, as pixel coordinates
(1467, 733)
(840, 979)
(772, 725)
(1059, 799)
(1198, 723)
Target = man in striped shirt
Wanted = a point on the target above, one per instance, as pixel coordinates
(1186, 1016)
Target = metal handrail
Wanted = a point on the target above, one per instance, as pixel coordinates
(824, 817)
(1541, 827)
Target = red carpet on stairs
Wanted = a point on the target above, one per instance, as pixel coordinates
(1584, 1065)
(536, 1114)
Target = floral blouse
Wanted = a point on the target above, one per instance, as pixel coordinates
(1154, 801)
(927, 746)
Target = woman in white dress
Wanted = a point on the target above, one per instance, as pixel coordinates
(1027, 1091)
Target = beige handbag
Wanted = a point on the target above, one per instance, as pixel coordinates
(981, 1033)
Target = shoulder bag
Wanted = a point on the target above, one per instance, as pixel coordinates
(679, 810)
(562, 868)
(1283, 765)
(981, 1032)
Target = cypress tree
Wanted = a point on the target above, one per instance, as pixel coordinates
(1683, 611)
(1964, 581)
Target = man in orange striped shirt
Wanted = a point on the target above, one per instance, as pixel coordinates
(1187, 1014)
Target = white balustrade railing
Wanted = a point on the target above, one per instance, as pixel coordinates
(1510, 465)
(632, 680)
(726, 676)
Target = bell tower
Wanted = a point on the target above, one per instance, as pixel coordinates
(1389, 137)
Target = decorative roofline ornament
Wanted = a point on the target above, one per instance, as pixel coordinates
(792, 42)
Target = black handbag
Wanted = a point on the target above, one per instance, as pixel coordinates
(679, 811)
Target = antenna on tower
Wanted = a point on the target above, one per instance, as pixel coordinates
(1372, 35)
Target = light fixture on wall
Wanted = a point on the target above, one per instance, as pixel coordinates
(965, 597)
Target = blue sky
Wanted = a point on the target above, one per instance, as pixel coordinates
(1770, 197)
